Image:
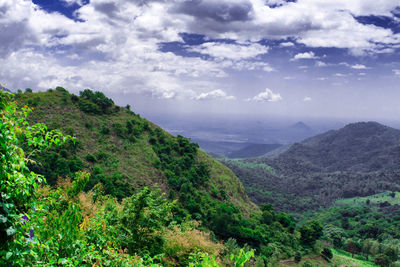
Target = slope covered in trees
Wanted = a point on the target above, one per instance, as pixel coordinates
(105, 203)
(336, 178)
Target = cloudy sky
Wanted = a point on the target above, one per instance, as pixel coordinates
(305, 58)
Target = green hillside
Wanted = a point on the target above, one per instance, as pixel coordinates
(117, 142)
(123, 191)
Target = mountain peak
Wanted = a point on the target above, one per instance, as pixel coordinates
(361, 146)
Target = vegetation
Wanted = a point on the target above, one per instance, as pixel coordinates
(175, 206)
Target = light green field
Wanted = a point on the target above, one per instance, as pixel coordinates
(374, 199)
(340, 258)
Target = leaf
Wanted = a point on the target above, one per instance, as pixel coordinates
(8, 255)
(62, 261)
(3, 219)
(11, 231)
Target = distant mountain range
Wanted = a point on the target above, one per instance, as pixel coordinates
(359, 159)
(253, 150)
(260, 140)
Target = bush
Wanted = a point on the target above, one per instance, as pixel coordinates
(88, 107)
(297, 257)
(90, 158)
(74, 98)
(327, 253)
(104, 130)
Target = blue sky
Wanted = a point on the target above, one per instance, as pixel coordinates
(305, 58)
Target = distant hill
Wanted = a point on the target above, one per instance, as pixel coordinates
(357, 147)
(359, 159)
(253, 150)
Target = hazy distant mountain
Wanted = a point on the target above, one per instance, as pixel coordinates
(253, 150)
(363, 146)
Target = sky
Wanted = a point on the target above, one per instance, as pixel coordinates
(261, 58)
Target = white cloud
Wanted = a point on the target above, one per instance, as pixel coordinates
(305, 55)
(340, 75)
(230, 51)
(266, 96)
(307, 99)
(396, 72)
(216, 94)
(320, 64)
(359, 67)
(287, 44)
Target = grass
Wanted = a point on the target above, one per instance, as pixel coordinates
(340, 258)
(374, 199)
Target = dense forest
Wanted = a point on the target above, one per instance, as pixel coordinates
(347, 179)
(99, 185)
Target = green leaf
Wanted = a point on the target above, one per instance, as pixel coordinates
(3, 219)
(11, 231)
(62, 261)
(8, 255)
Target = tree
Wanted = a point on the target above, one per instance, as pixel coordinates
(382, 260)
(352, 247)
(310, 233)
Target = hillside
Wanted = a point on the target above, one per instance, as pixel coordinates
(360, 159)
(357, 147)
(126, 160)
(120, 186)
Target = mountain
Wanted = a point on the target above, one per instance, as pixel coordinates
(104, 200)
(253, 150)
(359, 159)
(357, 147)
(124, 150)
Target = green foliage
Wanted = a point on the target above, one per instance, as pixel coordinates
(327, 253)
(94, 102)
(310, 233)
(143, 217)
(18, 184)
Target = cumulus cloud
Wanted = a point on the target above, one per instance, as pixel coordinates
(396, 72)
(267, 96)
(230, 51)
(320, 64)
(359, 67)
(115, 45)
(305, 55)
(307, 99)
(216, 94)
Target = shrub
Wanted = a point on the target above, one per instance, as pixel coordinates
(297, 257)
(104, 130)
(327, 254)
(182, 243)
(90, 158)
(74, 98)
